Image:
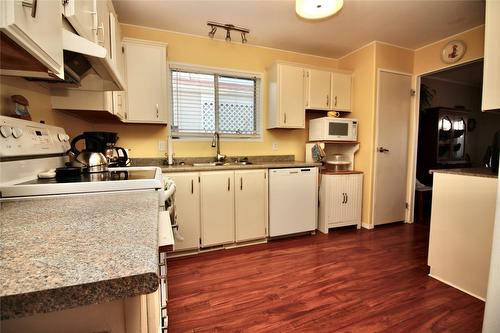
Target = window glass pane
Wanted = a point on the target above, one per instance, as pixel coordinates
(237, 105)
(193, 102)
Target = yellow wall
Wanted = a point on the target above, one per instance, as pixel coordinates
(143, 139)
(40, 106)
(428, 58)
(362, 63)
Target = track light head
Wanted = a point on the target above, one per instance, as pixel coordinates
(228, 35)
(211, 34)
(243, 38)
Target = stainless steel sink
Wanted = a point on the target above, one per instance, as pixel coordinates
(206, 164)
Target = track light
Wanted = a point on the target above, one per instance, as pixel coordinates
(228, 27)
(211, 34)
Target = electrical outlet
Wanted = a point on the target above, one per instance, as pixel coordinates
(162, 145)
(275, 146)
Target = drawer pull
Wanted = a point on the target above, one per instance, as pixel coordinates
(31, 5)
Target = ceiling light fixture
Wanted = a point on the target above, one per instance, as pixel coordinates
(317, 9)
(228, 27)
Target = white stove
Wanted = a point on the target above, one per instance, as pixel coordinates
(28, 149)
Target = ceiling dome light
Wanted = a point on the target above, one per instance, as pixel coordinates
(317, 9)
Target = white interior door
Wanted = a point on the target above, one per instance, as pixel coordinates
(391, 155)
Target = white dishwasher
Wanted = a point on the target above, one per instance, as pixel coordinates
(293, 200)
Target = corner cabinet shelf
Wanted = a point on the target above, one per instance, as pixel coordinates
(340, 193)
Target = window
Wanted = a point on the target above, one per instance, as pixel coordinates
(207, 101)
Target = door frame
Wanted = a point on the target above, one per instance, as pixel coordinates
(376, 134)
(413, 135)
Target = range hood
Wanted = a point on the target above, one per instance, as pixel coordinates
(85, 66)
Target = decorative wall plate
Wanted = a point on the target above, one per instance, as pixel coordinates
(453, 51)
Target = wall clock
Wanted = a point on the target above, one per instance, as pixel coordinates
(453, 51)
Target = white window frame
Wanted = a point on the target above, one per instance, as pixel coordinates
(221, 71)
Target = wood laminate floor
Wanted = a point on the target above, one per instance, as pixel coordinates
(347, 281)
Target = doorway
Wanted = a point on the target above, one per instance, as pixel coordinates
(391, 140)
(452, 130)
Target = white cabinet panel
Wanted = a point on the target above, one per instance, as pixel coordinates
(35, 26)
(341, 92)
(340, 201)
(146, 76)
(187, 203)
(318, 89)
(286, 96)
(82, 15)
(491, 76)
(217, 207)
(250, 204)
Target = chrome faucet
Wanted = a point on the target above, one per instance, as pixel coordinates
(216, 143)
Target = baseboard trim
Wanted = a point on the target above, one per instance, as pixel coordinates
(457, 287)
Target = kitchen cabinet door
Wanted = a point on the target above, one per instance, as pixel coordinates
(36, 27)
(341, 92)
(286, 96)
(340, 201)
(187, 203)
(146, 77)
(491, 71)
(102, 32)
(318, 89)
(351, 209)
(82, 15)
(217, 207)
(250, 204)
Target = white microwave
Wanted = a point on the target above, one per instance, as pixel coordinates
(336, 129)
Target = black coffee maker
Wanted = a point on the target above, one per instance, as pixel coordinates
(103, 142)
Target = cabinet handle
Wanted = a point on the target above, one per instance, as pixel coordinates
(343, 197)
(192, 186)
(157, 115)
(228, 184)
(241, 183)
(346, 198)
(327, 100)
(284, 121)
(335, 101)
(100, 27)
(31, 5)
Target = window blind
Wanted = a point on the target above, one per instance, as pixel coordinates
(203, 103)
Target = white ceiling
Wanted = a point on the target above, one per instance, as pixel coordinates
(273, 23)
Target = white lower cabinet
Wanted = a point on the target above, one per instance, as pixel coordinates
(340, 201)
(220, 207)
(187, 208)
(217, 207)
(250, 200)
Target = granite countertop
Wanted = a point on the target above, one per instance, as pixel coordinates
(476, 172)
(183, 164)
(64, 252)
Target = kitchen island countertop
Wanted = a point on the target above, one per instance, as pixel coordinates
(63, 252)
(477, 172)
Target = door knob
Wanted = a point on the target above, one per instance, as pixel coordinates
(382, 150)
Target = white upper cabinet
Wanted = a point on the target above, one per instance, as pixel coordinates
(250, 200)
(286, 96)
(35, 26)
(82, 15)
(318, 89)
(341, 92)
(146, 76)
(491, 76)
